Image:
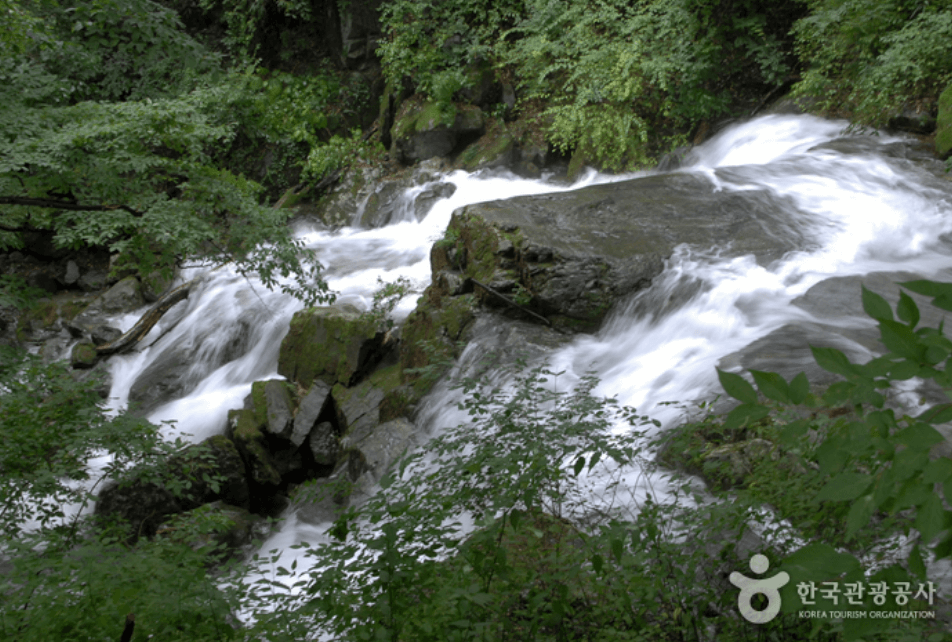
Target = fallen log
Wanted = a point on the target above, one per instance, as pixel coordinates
(146, 322)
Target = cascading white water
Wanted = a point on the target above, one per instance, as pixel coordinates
(858, 211)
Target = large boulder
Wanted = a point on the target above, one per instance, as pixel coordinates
(204, 473)
(124, 296)
(496, 148)
(423, 129)
(314, 406)
(335, 344)
(570, 256)
(365, 197)
(378, 449)
(225, 531)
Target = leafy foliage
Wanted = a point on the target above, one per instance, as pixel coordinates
(872, 464)
(64, 578)
(868, 58)
(143, 169)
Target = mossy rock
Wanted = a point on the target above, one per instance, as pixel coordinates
(219, 528)
(425, 129)
(943, 132)
(249, 439)
(273, 403)
(496, 148)
(430, 336)
(84, 355)
(48, 315)
(358, 409)
(204, 473)
(333, 344)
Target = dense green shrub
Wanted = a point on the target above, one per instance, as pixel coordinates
(617, 80)
(63, 577)
(867, 58)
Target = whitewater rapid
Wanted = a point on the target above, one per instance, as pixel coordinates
(859, 206)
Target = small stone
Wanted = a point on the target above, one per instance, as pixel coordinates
(84, 355)
(72, 273)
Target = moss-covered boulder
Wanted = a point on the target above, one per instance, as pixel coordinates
(496, 148)
(273, 404)
(334, 344)
(425, 129)
(223, 530)
(249, 438)
(379, 448)
(204, 473)
(943, 132)
(83, 355)
(47, 318)
(358, 408)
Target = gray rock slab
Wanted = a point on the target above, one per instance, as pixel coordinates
(310, 409)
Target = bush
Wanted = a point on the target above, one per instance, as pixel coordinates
(867, 58)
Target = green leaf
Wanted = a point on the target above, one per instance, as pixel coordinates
(821, 561)
(907, 310)
(737, 387)
(939, 414)
(930, 518)
(833, 360)
(900, 339)
(859, 515)
(799, 388)
(844, 487)
(919, 436)
(794, 431)
(772, 385)
(943, 302)
(598, 563)
(876, 306)
(579, 465)
(937, 471)
(928, 288)
(904, 370)
(618, 548)
(745, 414)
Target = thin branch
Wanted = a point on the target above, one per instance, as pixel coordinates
(516, 305)
(65, 205)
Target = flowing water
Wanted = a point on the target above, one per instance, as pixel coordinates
(853, 202)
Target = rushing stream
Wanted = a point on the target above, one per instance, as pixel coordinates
(856, 205)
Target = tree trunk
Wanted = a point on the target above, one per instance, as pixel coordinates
(146, 323)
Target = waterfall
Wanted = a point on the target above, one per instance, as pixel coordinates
(855, 203)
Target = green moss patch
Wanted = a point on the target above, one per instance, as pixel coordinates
(943, 133)
(328, 344)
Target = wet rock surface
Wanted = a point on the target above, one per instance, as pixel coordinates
(570, 256)
(422, 130)
(205, 472)
(835, 319)
(335, 344)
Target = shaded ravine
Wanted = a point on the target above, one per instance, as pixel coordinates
(852, 204)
